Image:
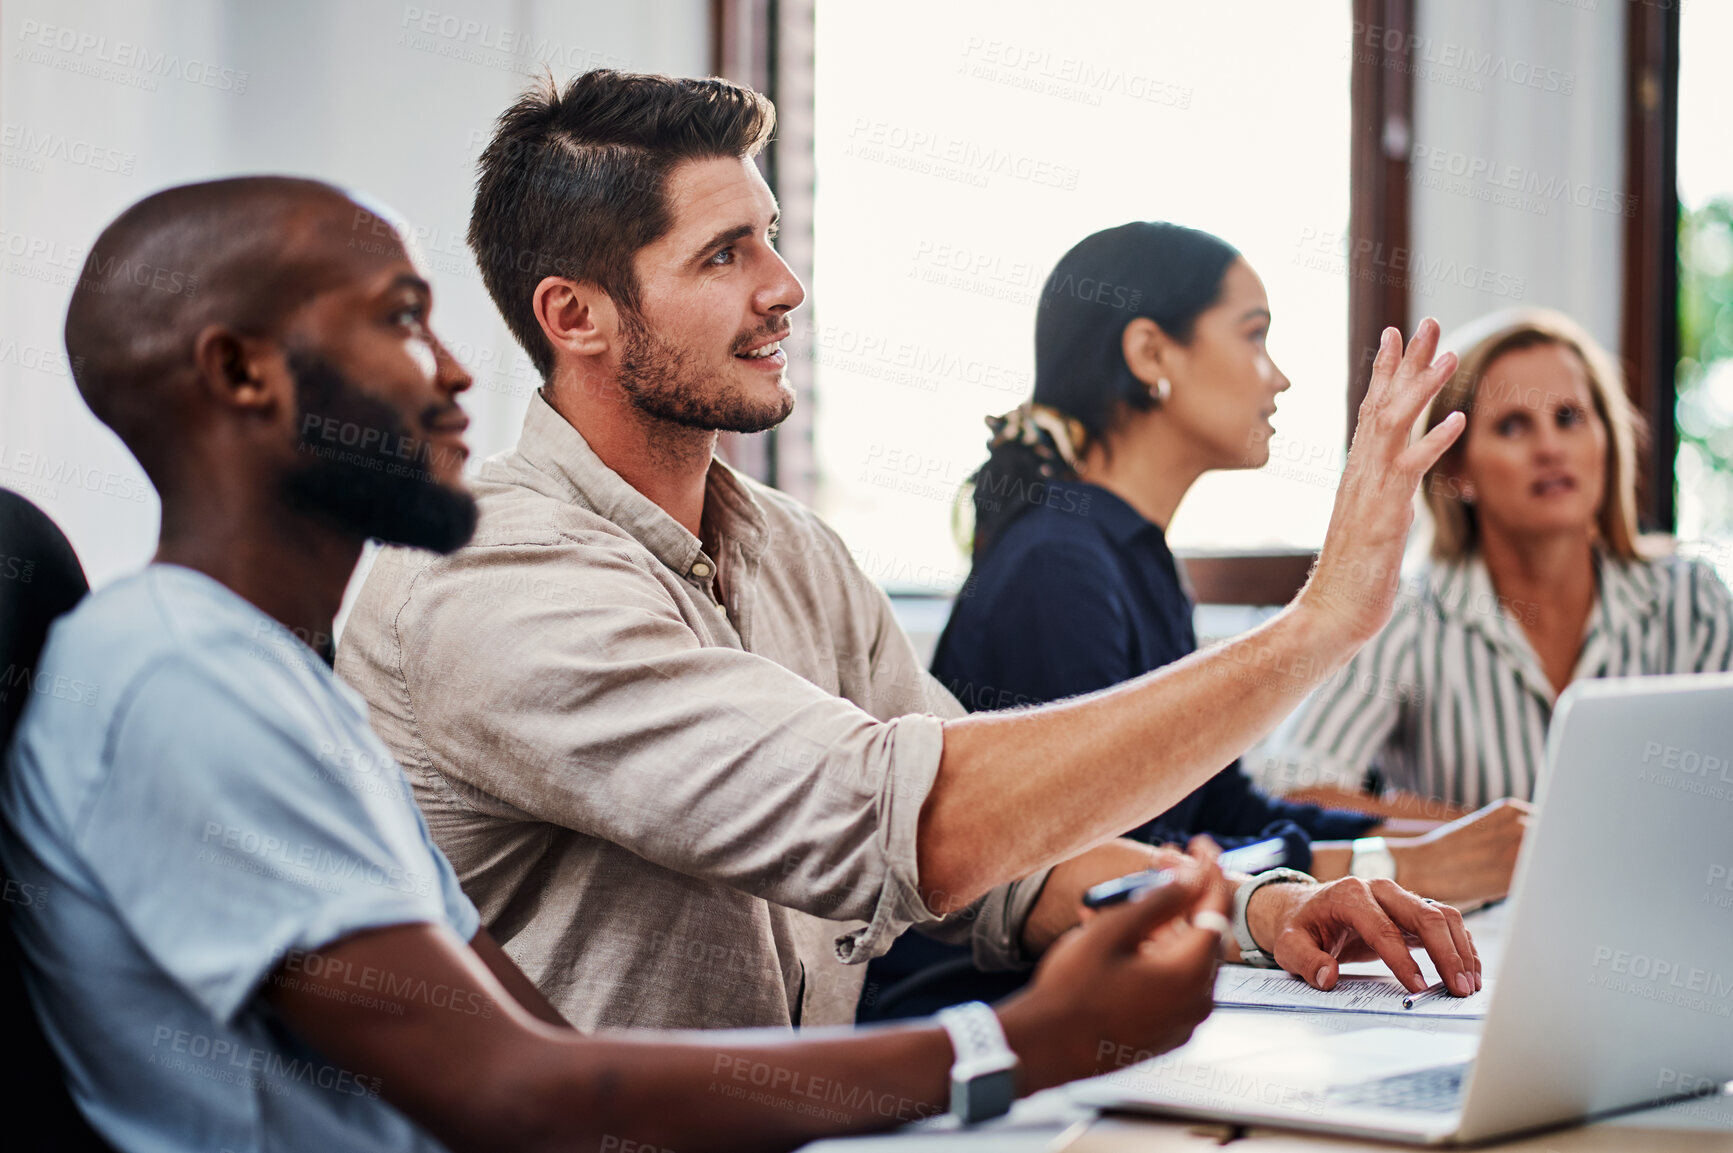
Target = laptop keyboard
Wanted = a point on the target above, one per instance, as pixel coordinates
(1435, 1090)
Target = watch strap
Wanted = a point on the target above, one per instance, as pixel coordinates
(1372, 859)
(983, 1070)
(1250, 952)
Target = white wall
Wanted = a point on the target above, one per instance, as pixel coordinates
(1518, 170)
(105, 102)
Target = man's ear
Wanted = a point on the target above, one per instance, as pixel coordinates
(238, 372)
(1146, 348)
(576, 317)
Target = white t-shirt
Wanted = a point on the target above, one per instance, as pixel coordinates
(193, 797)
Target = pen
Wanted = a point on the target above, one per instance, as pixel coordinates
(1253, 858)
(1409, 1000)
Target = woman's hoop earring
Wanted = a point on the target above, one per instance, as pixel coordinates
(1162, 391)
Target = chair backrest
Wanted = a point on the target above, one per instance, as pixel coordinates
(40, 578)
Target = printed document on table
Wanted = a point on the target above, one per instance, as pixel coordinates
(1242, 987)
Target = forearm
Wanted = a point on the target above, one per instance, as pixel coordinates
(782, 1094)
(1016, 791)
(1406, 814)
(450, 1047)
(522, 989)
(754, 1096)
(1330, 859)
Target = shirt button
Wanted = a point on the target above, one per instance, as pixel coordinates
(700, 569)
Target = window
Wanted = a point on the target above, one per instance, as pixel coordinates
(1704, 465)
(959, 154)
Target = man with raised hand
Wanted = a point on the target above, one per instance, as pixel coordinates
(659, 719)
(250, 942)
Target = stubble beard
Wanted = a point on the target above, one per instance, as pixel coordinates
(662, 381)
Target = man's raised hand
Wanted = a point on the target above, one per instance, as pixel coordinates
(1354, 583)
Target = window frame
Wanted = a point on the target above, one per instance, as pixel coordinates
(1649, 308)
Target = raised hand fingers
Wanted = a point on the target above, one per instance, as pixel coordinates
(1418, 356)
(1423, 454)
(1404, 381)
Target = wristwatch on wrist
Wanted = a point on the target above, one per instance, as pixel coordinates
(984, 1072)
(1372, 860)
(1250, 952)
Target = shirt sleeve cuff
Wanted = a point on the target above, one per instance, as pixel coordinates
(997, 934)
(912, 763)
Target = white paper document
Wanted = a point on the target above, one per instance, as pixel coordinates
(1242, 987)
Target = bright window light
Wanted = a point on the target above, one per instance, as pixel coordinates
(963, 148)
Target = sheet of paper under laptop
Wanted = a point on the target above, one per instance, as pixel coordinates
(1240, 987)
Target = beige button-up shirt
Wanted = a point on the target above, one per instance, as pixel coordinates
(672, 812)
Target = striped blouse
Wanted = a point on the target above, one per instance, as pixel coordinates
(1450, 700)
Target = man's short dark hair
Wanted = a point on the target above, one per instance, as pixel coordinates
(573, 184)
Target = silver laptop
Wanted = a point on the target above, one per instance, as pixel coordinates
(1615, 986)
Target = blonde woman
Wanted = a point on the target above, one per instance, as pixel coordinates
(1535, 580)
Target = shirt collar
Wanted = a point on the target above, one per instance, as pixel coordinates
(1463, 592)
(1626, 595)
(551, 446)
(1117, 518)
(1629, 592)
(1629, 595)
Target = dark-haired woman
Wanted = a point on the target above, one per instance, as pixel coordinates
(1151, 370)
(1139, 391)
(1073, 586)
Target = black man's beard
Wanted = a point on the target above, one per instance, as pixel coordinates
(365, 471)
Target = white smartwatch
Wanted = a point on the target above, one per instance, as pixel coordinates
(1372, 859)
(984, 1072)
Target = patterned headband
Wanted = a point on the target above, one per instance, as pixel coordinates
(1025, 424)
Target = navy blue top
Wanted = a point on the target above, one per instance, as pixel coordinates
(1079, 594)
